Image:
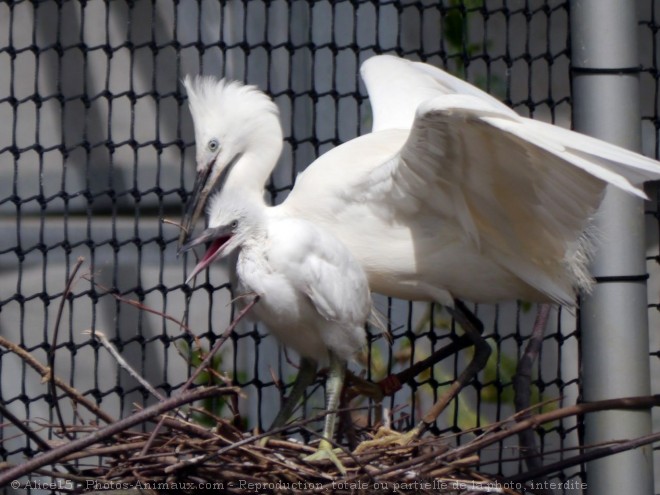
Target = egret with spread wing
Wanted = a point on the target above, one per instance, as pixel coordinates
(313, 294)
(452, 196)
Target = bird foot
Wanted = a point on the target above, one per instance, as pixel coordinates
(263, 441)
(386, 437)
(325, 452)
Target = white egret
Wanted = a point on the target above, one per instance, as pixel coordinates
(452, 196)
(313, 294)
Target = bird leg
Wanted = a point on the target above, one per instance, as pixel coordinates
(305, 378)
(473, 329)
(522, 384)
(334, 384)
(470, 324)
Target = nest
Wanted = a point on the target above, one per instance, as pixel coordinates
(186, 457)
(178, 454)
(175, 453)
(182, 455)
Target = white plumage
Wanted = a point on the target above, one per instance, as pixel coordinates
(453, 195)
(313, 295)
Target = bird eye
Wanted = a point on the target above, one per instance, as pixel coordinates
(213, 145)
(234, 224)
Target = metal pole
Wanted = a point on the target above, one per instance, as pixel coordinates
(614, 319)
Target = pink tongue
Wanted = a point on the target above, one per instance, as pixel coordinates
(215, 246)
(209, 256)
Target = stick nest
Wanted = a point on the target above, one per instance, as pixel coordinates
(187, 457)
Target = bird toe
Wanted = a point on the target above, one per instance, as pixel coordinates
(386, 437)
(325, 452)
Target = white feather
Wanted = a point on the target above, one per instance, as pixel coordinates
(397, 87)
(454, 195)
(314, 295)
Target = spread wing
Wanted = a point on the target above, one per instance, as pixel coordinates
(397, 87)
(520, 190)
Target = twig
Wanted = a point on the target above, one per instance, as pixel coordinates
(515, 417)
(52, 389)
(522, 386)
(122, 362)
(139, 305)
(191, 429)
(247, 441)
(510, 428)
(644, 402)
(43, 444)
(205, 362)
(175, 223)
(461, 463)
(209, 356)
(596, 453)
(46, 374)
(104, 451)
(54, 455)
(7, 414)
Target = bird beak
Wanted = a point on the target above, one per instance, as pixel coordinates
(212, 175)
(218, 237)
(200, 193)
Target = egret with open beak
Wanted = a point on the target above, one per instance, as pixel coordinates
(452, 196)
(313, 294)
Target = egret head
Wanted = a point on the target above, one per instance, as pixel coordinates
(231, 120)
(232, 221)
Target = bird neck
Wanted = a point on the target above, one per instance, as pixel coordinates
(250, 174)
(253, 245)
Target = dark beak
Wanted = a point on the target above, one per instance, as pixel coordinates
(208, 235)
(195, 205)
(205, 183)
(218, 237)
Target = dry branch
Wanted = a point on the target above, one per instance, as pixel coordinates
(46, 375)
(52, 387)
(100, 336)
(178, 451)
(56, 454)
(196, 455)
(205, 362)
(522, 386)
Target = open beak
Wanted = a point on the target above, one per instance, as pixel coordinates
(206, 181)
(218, 237)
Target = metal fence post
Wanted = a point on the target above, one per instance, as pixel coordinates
(614, 319)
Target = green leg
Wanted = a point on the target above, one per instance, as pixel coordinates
(305, 378)
(334, 385)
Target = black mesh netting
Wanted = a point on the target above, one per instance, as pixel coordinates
(97, 149)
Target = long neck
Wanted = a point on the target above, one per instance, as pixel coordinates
(250, 174)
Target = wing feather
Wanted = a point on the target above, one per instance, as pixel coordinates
(522, 191)
(397, 87)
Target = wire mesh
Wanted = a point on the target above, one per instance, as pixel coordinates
(98, 150)
(650, 87)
